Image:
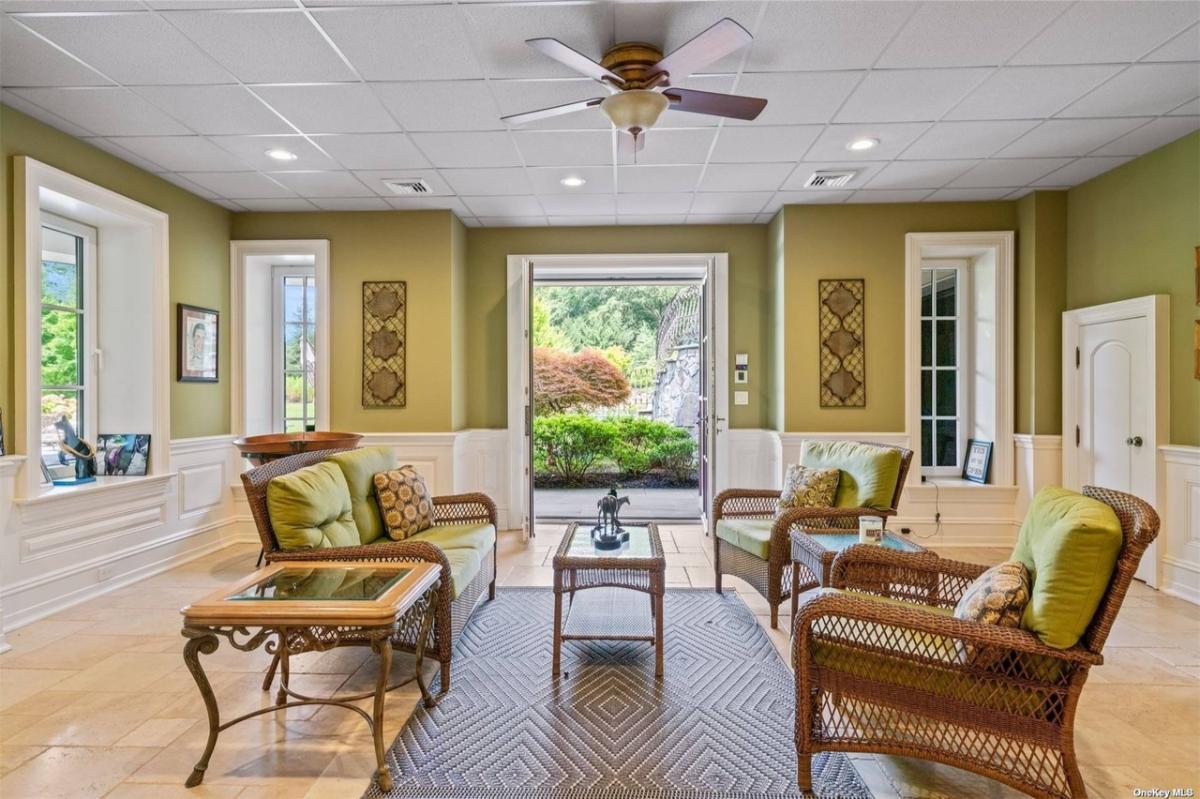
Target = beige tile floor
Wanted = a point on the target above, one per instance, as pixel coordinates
(95, 701)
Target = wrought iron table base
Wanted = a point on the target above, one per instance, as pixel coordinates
(285, 641)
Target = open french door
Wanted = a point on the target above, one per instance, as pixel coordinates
(529, 525)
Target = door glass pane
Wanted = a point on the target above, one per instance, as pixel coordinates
(293, 346)
(61, 347)
(927, 343)
(293, 299)
(293, 426)
(926, 442)
(926, 392)
(293, 394)
(947, 442)
(926, 292)
(60, 284)
(947, 292)
(947, 342)
(947, 389)
(310, 349)
(310, 298)
(310, 398)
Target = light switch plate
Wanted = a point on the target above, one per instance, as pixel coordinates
(741, 398)
(741, 359)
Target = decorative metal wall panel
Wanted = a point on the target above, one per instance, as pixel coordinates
(843, 345)
(385, 310)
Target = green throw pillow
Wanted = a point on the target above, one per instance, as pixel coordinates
(869, 473)
(310, 508)
(1070, 545)
(359, 467)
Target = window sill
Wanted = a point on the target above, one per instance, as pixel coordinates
(94, 497)
(955, 482)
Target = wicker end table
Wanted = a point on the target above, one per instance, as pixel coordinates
(813, 551)
(294, 608)
(638, 565)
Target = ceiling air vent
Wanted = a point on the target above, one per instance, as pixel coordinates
(407, 185)
(829, 179)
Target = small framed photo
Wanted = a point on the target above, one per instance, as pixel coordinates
(978, 461)
(124, 454)
(199, 336)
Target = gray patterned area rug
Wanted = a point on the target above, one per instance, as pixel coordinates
(719, 724)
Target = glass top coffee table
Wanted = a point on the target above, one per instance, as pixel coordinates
(813, 551)
(637, 564)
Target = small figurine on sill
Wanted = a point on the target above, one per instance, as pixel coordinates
(83, 451)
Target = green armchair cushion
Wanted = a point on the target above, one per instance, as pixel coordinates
(310, 508)
(465, 564)
(480, 537)
(869, 473)
(1070, 545)
(359, 466)
(751, 535)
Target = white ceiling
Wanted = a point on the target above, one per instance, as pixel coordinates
(970, 100)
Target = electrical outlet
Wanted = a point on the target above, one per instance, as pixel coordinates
(741, 398)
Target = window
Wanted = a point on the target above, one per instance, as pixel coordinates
(68, 335)
(294, 404)
(944, 369)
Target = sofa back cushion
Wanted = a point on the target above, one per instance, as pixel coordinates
(869, 473)
(310, 508)
(359, 467)
(1070, 545)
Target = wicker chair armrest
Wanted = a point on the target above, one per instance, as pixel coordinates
(820, 518)
(389, 551)
(745, 503)
(826, 611)
(889, 572)
(464, 508)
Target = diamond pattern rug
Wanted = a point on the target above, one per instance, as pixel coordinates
(719, 724)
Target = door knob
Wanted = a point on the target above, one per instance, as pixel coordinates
(1135, 441)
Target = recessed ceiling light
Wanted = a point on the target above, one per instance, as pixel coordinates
(280, 154)
(572, 181)
(863, 143)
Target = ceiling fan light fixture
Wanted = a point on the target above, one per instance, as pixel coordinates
(634, 109)
(863, 143)
(572, 181)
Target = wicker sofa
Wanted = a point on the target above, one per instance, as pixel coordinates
(456, 602)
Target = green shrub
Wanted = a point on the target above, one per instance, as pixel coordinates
(571, 444)
(639, 439)
(676, 456)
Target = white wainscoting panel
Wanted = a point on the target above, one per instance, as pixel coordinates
(755, 459)
(1038, 464)
(1179, 538)
(481, 464)
(431, 454)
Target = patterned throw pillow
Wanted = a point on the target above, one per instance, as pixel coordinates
(998, 596)
(807, 488)
(404, 502)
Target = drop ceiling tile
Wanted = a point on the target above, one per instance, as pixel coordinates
(966, 195)
(1151, 136)
(1030, 92)
(488, 182)
(579, 204)
(188, 185)
(744, 177)
(253, 151)
(658, 179)
(512, 221)
(1062, 137)
(402, 42)
(519, 96)
(670, 25)
(1184, 47)
(229, 204)
(865, 170)
(565, 148)
(372, 150)
(764, 219)
(26, 60)
(547, 180)
(504, 206)
(824, 35)
(677, 146)
(918, 174)
(763, 143)
(806, 197)
(235, 185)
(733, 202)
(337, 108)
(430, 204)
(500, 32)
(264, 46)
(105, 111)
(64, 6)
(131, 49)
(831, 145)
(967, 139)
(182, 153)
(218, 5)
(582, 221)
(999, 172)
(277, 205)
(908, 95)
(470, 221)
(215, 110)
(967, 34)
(109, 147)
(651, 219)
(1191, 109)
(1081, 169)
(323, 184)
(797, 98)
(374, 178)
(653, 203)
(352, 204)
(441, 105)
(469, 149)
(54, 120)
(1100, 32)
(889, 196)
(721, 219)
(1141, 90)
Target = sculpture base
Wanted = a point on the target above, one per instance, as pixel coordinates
(609, 539)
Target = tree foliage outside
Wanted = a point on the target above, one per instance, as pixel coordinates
(573, 447)
(571, 382)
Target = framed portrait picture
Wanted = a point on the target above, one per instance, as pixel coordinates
(199, 335)
(978, 460)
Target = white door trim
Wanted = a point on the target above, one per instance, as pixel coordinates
(716, 265)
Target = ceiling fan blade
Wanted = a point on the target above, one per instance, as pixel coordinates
(715, 104)
(573, 59)
(553, 111)
(710, 46)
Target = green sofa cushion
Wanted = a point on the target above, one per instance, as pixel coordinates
(310, 508)
(869, 473)
(1070, 545)
(465, 564)
(359, 467)
(480, 537)
(751, 535)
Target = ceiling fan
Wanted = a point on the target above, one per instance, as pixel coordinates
(640, 81)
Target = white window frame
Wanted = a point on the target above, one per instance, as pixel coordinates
(278, 324)
(963, 361)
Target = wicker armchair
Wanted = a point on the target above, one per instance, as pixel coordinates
(773, 577)
(452, 613)
(898, 678)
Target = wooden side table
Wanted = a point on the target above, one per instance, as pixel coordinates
(813, 551)
(312, 607)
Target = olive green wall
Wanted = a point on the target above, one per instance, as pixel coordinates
(1041, 289)
(487, 263)
(199, 256)
(458, 323)
(859, 241)
(414, 246)
(1133, 232)
(776, 267)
